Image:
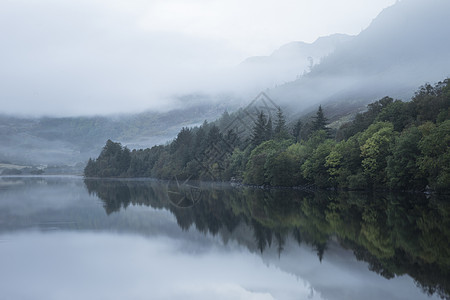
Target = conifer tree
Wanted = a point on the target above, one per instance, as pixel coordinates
(320, 122)
(297, 129)
(259, 133)
(280, 131)
(269, 130)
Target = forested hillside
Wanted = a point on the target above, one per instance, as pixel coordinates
(71, 140)
(392, 56)
(393, 145)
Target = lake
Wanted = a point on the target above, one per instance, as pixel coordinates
(71, 238)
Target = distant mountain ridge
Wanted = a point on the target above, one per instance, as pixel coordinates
(72, 140)
(404, 47)
(290, 61)
(299, 50)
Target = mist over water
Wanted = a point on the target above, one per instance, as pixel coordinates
(75, 74)
(81, 73)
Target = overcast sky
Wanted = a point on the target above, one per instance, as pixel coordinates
(67, 57)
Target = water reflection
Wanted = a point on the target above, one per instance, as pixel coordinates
(395, 234)
(104, 266)
(312, 244)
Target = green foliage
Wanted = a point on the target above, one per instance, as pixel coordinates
(393, 145)
(296, 130)
(280, 131)
(259, 167)
(364, 120)
(315, 169)
(238, 162)
(430, 101)
(315, 140)
(357, 181)
(435, 159)
(261, 130)
(375, 149)
(284, 168)
(113, 161)
(320, 122)
(402, 170)
(397, 113)
(343, 162)
(333, 163)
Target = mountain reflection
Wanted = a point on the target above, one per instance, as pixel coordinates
(395, 234)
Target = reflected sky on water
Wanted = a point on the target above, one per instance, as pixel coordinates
(57, 241)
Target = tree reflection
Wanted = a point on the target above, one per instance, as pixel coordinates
(395, 234)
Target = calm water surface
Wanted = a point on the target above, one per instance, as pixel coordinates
(69, 238)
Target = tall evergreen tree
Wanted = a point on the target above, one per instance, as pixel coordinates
(262, 130)
(296, 130)
(200, 140)
(214, 135)
(183, 139)
(320, 122)
(258, 134)
(269, 130)
(280, 130)
(232, 138)
(91, 169)
(224, 120)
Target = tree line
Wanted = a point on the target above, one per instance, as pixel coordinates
(392, 145)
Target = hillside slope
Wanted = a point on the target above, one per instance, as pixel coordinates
(405, 46)
(71, 140)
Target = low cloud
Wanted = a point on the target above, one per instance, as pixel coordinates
(100, 57)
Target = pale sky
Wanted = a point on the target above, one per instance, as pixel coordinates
(84, 57)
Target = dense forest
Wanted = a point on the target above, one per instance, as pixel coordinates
(392, 145)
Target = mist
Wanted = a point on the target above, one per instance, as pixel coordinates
(101, 57)
(402, 49)
(77, 74)
(153, 68)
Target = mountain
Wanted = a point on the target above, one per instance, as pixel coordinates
(405, 46)
(72, 140)
(288, 62)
